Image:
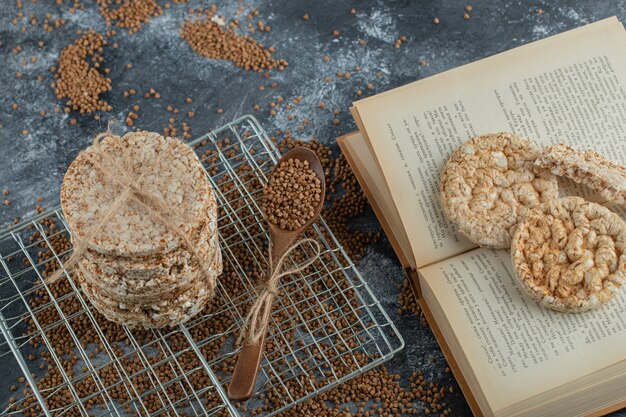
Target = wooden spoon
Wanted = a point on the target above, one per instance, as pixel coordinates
(244, 377)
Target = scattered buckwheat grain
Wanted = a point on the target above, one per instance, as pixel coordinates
(78, 78)
(131, 14)
(212, 40)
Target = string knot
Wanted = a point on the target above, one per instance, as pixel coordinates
(255, 323)
(271, 290)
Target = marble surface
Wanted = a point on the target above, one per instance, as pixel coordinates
(33, 165)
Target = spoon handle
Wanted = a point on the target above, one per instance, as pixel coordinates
(241, 384)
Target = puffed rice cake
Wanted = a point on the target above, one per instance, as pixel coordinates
(488, 185)
(176, 311)
(180, 276)
(87, 194)
(587, 167)
(146, 268)
(135, 270)
(569, 254)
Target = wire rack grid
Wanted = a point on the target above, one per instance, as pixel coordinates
(326, 328)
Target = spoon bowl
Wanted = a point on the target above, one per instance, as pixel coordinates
(242, 383)
(282, 239)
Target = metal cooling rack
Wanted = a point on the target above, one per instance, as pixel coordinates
(326, 328)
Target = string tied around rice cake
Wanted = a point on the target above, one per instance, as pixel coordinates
(132, 189)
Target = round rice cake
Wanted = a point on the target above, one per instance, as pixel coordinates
(155, 319)
(165, 302)
(178, 179)
(588, 167)
(178, 278)
(171, 313)
(569, 254)
(123, 271)
(489, 184)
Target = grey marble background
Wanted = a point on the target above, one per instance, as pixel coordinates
(33, 165)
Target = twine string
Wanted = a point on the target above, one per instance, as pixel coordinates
(257, 319)
(131, 189)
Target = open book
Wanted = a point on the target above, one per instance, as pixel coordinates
(510, 356)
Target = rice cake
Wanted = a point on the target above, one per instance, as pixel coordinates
(163, 302)
(138, 269)
(488, 185)
(569, 254)
(178, 179)
(182, 310)
(589, 168)
(180, 276)
(147, 268)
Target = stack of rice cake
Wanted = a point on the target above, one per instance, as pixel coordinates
(136, 270)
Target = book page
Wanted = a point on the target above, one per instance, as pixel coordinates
(569, 88)
(373, 184)
(570, 187)
(508, 339)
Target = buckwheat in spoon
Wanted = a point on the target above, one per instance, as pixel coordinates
(292, 201)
